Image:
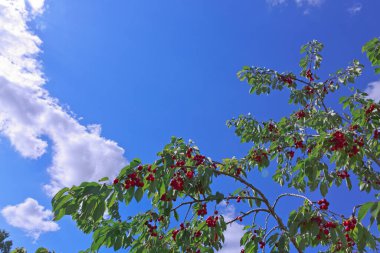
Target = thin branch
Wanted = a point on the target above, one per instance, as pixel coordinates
(248, 213)
(354, 209)
(211, 199)
(187, 213)
(187, 203)
(270, 231)
(291, 195)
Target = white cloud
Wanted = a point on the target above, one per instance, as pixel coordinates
(355, 8)
(37, 6)
(276, 2)
(312, 3)
(373, 90)
(29, 115)
(309, 2)
(234, 232)
(31, 217)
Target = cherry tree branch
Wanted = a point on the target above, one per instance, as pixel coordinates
(266, 202)
(291, 195)
(247, 213)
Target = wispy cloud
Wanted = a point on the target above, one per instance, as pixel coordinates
(276, 2)
(234, 232)
(306, 3)
(373, 90)
(29, 115)
(355, 8)
(309, 2)
(31, 217)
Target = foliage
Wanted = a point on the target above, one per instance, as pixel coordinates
(5, 245)
(19, 250)
(39, 250)
(313, 148)
(372, 48)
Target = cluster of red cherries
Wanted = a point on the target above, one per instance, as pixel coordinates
(349, 224)
(324, 227)
(203, 210)
(338, 140)
(343, 174)
(323, 204)
(370, 109)
(286, 79)
(152, 229)
(309, 90)
(298, 143)
(309, 75)
(259, 155)
(177, 182)
(211, 221)
(300, 114)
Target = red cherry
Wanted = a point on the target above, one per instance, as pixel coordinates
(115, 181)
(189, 174)
(376, 134)
(150, 177)
(290, 154)
(309, 75)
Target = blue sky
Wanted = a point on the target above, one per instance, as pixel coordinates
(107, 81)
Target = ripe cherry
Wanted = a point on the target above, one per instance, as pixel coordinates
(189, 174)
(290, 154)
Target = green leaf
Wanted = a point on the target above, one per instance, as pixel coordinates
(58, 195)
(103, 179)
(364, 210)
(323, 188)
(348, 183)
(42, 250)
(59, 214)
(176, 215)
(129, 195)
(219, 197)
(61, 201)
(99, 210)
(134, 163)
(118, 243)
(139, 194)
(250, 202)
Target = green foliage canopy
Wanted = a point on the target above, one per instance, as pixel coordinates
(313, 148)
